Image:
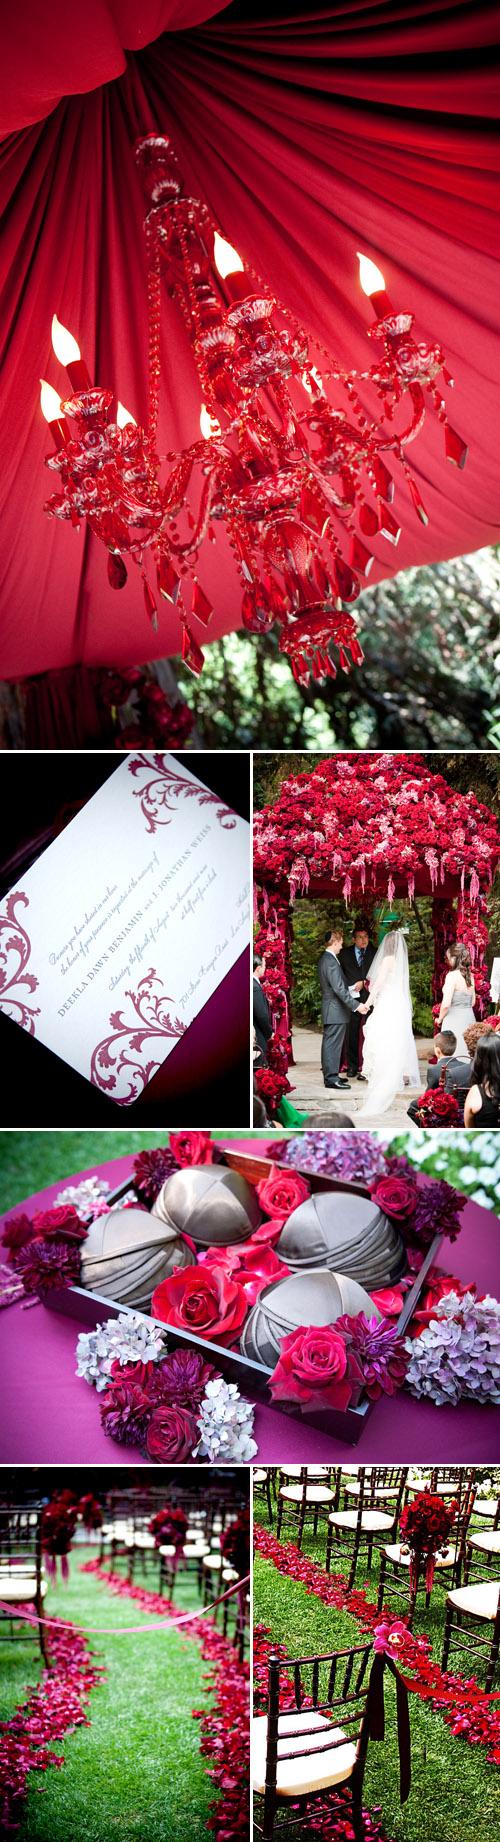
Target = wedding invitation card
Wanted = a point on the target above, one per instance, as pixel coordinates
(121, 932)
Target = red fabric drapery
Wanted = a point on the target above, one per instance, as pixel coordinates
(310, 134)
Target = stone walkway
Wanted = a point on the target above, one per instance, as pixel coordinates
(309, 1095)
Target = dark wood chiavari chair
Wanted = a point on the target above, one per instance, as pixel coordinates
(22, 1580)
(318, 1747)
(394, 1580)
(481, 1605)
(304, 1501)
(367, 1525)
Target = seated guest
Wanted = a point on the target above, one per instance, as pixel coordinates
(448, 1071)
(482, 1105)
(261, 1012)
(444, 1047)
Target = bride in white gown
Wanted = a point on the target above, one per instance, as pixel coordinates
(389, 1052)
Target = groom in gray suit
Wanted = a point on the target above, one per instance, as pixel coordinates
(336, 1002)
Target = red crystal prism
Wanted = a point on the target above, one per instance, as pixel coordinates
(117, 573)
(150, 605)
(383, 480)
(359, 557)
(191, 652)
(455, 448)
(418, 502)
(387, 524)
(200, 605)
(345, 582)
(168, 581)
(314, 513)
(356, 652)
(368, 520)
(255, 616)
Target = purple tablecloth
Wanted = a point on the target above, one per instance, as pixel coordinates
(49, 1416)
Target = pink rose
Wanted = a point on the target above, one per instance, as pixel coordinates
(281, 1192)
(254, 1265)
(315, 1361)
(203, 1299)
(389, 1301)
(396, 1196)
(192, 1147)
(171, 1436)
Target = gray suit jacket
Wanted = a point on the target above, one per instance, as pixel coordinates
(336, 999)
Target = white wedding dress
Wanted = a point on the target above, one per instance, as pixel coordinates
(389, 1052)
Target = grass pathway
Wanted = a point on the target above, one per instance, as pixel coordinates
(455, 1793)
(134, 1775)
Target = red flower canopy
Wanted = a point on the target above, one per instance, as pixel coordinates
(310, 133)
(366, 827)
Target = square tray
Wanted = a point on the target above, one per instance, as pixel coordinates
(252, 1378)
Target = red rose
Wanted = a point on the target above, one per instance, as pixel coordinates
(395, 1195)
(17, 1232)
(202, 1299)
(316, 1361)
(59, 1224)
(192, 1147)
(254, 1265)
(171, 1436)
(282, 1192)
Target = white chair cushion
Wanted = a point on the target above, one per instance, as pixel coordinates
(481, 1600)
(213, 1561)
(489, 1543)
(312, 1471)
(315, 1493)
(485, 1506)
(373, 1521)
(143, 1539)
(295, 1777)
(382, 1490)
(394, 1553)
(20, 1589)
(260, 1477)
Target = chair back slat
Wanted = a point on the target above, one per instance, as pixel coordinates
(315, 1683)
(331, 1679)
(298, 1686)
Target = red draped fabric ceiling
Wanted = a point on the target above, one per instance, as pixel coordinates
(310, 133)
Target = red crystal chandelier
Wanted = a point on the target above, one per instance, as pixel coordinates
(300, 482)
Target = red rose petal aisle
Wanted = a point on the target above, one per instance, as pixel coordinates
(56, 1706)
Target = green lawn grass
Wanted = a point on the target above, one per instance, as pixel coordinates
(30, 1161)
(134, 1775)
(455, 1793)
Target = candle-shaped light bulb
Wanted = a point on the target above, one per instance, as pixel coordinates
(68, 353)
(227, 260)
(208, 424)
(230, 268)
(51, 408)
(373, 284)
(123, 417)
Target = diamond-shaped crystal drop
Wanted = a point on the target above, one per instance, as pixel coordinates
(456, 450)
(168, 581)
(359, 557)
(383, 480)
(356, 653)
(313, 511)
(150, 605)
(191, 652)
(117, 573)
(387, 524)
(200, 605)
(418, 502)
(368, 520)
(345, 582)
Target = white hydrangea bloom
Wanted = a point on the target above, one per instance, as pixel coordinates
(127, 1338)
(225, 1422)
(88, 1197)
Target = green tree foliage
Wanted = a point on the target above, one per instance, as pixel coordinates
(431, 639)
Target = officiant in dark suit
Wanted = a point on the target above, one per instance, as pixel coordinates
(337, 1003)
(263, 1024)
(355, 962)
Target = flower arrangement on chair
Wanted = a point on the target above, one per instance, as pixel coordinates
(425, 1525)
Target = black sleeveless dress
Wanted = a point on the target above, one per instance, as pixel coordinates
(489, 1112)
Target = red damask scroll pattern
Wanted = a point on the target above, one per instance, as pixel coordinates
(126, 1059)
(158, 795)
(15, 952)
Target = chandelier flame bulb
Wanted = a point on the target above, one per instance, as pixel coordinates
(64, 345)
(208, 424)
(371, 278)
(50, 403)
(123, 417)
(227, 261)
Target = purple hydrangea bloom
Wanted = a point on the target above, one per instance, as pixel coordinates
(353, 1155)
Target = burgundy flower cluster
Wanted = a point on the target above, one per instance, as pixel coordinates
(151, 1171)
(45, 1250)
(425, 1525)
(420, 1211)
(169, 1526)
(465, 1708)
(225, 1726)
(56, 1705)
(235, 1543)
(155, 1405)
(331, 1365)
(157, 721)
(59, 1521)
(436, 1108)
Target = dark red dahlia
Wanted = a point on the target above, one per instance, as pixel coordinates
(44, 1265)
(180, 1378)
(126, 1412)
(151, 1169)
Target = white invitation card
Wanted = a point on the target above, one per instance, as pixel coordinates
(121, 932)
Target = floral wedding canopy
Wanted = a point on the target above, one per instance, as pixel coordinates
(368, 828)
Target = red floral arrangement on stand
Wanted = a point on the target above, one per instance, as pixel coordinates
(436, 1108)
(156, 720)
(425, 1526)
(169, 1528)
(235, 1543)
(59, 1521)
